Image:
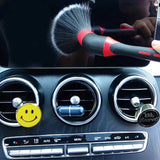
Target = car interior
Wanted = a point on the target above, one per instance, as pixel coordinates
(81, 105)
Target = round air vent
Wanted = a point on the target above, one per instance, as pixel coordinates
(77, 95)
(129, 88)
(10, 89)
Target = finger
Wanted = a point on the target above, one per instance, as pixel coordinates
(125, 26)
(156, 45)
(139, 40)
(142, 26)
(153, 20)
(150, 25)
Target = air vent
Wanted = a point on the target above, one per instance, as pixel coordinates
(128, 88)
(12, 88)
(88, 97)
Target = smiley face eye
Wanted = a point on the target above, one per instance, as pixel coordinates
(26, 111)
(32, 111)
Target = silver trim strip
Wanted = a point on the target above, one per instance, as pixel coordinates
(118, 110)
(89, 82)
(12, 79)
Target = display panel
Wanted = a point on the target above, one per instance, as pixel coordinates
(26, 31)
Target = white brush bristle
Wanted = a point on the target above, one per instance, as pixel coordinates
(66, 26)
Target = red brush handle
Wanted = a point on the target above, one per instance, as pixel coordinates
(106, 46)
(117, 48)
(116, 32)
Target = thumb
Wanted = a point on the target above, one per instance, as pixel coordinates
(156, 45)
(125, 26)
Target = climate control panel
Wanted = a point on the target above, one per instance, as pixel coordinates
(73, 145)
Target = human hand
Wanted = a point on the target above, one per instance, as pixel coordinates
(146, 26)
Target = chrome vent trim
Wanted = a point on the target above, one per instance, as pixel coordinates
(119, 101)
(9, 94)
(85, 81)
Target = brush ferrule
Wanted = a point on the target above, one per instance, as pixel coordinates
(82, 34)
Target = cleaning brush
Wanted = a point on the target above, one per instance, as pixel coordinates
(72, 29)
(67, 24)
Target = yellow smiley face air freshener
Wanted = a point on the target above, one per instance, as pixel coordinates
(28, 115)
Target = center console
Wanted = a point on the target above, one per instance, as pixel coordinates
(74, 145)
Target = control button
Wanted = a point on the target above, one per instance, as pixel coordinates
(97, 149)
(107, 138)
(46, 141)
(108, 148)
(14, 153)
(127, 147)
(57, 151)
(116, 137)
(46, 151)
(76, 139)
(98, 137)
(25, 141)
(83, 149)
(35, 140)
(118, 147)
(127, 137)
(137, 146)
(35, 152)
(24, 152)
(101, 149)
(56, 140)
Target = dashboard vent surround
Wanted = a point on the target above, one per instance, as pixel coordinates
(88, 94)
(11, 88)
(133, 86)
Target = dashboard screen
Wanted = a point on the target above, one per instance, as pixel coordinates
(26, 32)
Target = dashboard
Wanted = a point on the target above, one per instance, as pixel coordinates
(102, 132)
(79, 106)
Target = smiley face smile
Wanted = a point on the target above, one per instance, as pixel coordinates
(29, 121)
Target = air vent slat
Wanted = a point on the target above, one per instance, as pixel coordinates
(134, 89)
(129, 109)
(128, 88)
(12, 92)
(82, 100)
(127, 99)
(9, 102)
(76, 90)
(7, 112)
